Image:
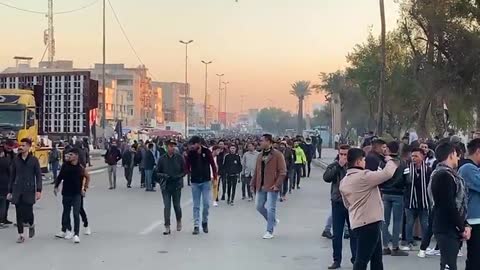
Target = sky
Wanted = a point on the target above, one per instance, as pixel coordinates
(262, 46)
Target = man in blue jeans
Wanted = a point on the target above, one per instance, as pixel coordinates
(393, 195)
(200, 165)
(270, 172)
(334, 173)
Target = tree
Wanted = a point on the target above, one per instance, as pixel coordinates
(300, 89)
(274, 120)
(383, 57)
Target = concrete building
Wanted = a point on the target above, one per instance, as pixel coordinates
(173, 95)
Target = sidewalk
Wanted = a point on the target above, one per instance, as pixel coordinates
(328, 156)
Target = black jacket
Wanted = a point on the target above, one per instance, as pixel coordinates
(232, 164)
(25, 179)
(4, 175)
(149, 160)
(334, 174)
(309, 150)
(289, 158)
(112, 156)
(374, 161)
(398, 183)
(128, 159)
(170, 171)
(201, 166)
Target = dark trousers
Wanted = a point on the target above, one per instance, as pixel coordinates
(449, 244)
(304, 170)
(298, 175)
(309, 167)
(319, 149)
(70, 202)
(3, 209)
(427, 236)
(83, 214)
(24, 214)
(339, 219)
(4, 218)
(142, 176)
(246, 187)
(473, 246)
(369, 247)
(223, 180)
(169, 197)
(231, 186)
(287, 184)
(128, 174)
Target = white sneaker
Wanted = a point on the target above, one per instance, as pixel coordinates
(215, 203)
(405, 248)
(68, 235)
(61, 235)
(76, 239)
(432, 252)
(268, 235)
(421, 254)
(87, 231)
(460, 254)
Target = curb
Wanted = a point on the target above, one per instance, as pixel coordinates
(320, 163)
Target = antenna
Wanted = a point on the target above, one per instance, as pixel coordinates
(48, 36)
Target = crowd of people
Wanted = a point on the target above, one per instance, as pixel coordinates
(381, 191)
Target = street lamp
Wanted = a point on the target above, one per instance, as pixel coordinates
(206, 85)
(219, 95)
(187, 94)
(225, 104)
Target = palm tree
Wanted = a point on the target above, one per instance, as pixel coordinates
(300, 89)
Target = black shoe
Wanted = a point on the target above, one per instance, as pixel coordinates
(205, 227)
(335, 265)
(298, 187)
(8, 222)
(223, 198)
(167, 230)
(327, 234)
(142, 186)
(398, 252)
(231, 203)
(196, 231)
(346, 236)
(31, 231)
(386, 251)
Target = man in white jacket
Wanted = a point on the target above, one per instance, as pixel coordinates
(249, 162)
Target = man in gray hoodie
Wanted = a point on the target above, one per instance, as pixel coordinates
(249, 162)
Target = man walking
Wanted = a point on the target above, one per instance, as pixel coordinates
(149, 166)
(289, 160)
(112, 156)
(232, 167)
(54, 161)
(300, 161)
(200, 164)
(249, 162)
(171, 170)
(128, 163)
(362, 198)
(75, 179)
(270, 172)
(309, 154)
(4, 181)
(25, 187)
(334, 174)
(319, 145)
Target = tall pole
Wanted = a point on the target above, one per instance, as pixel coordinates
(205, 98)
(225, 101)
(219, 95)
(50, 39)
(104, 94)
(187, 94)
(383, 60)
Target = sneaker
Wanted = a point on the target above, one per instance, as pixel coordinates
(179, 226)
(460, 254)
(277, 221)
(3, 226)
(250, 199)
(205, 227)
(398, 253)
(327, 234)
(20, 239)
(76, 239)
(196, 231)
(405, 248)
(432, 252)
(268, 235)
(231, 203)
(335, 265)
(61, 235)
(8, 222)
(129, 186)
(386, 251)
(31, 231)
(68, 235)
(167, 230)
(215, 203)
(421, 254)
(223, 198)
(87, 231)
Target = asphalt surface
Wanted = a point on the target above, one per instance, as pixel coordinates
(127, 227)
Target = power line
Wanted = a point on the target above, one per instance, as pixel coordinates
(45, 12)
(127, 38)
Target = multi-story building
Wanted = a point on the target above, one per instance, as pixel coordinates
(173, 94)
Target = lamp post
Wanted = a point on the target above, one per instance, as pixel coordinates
(206, 86)
(187, 94)
(104, 99)
(219, 95)
(225, 101)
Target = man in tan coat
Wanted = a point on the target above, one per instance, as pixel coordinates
(267, 180)
(363, 200)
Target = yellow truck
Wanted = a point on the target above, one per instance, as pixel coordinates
(18, 120)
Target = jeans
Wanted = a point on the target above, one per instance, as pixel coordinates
(128, 175)
(339, 218)
(148, 179)
(3, 209)
(319, 149)
(449, 244)
(223, 181)
(169, 197)
(112, 175)
(412, 214)
(24, 214)
(231, 187)
(83, 214)
(369, 247)
(201, 192)
(309, 167)
(246, 187)
(393, 205)
(473, 246)
(54, 166)
(142, 176)
(267, 206)
(427, 236)
(328, 223)
(298, 175)
(70, 202)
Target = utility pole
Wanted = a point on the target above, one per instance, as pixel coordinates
(104, 98)
(206, 86)
(383, 60)
(219, 95)
(225, 101)
(187, 94)
(49, 38)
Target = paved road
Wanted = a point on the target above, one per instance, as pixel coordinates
(127, 234)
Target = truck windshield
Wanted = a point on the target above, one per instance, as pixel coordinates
(12, 118)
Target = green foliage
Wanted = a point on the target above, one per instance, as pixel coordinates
(275, 120)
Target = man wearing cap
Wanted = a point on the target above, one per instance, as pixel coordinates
(200, 163)
(171, 170)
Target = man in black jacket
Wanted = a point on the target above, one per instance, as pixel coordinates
(112, 156)
(232, 167)
(309, 150)
(289, 161)
(375, 160)
(171, 170)
(4, 181)
(334, 173)
(25, 187)
(393, 194)
(448, 192)
(128, 163)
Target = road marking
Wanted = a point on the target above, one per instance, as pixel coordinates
(152, 227)
(97, 171)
